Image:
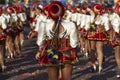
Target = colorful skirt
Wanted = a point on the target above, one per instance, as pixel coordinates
(97, 34)
(53, 57)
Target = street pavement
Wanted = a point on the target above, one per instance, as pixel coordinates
(27, 67)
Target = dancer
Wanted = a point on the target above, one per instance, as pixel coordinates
(3, 26)
(57, 43)
(115, 35)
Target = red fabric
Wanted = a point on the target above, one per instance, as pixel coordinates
(11, 9)
(114, 43)
(98, 34)
(61, 58)
(45, 9)
(83, 10)
(1, 10)
(53, 8)
(66, 55)
(73, 9)
(117, 9)
(98, 7)
(2, 36)
(110, 10)
(32, 20)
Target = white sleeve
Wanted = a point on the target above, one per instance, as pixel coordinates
(38, 22)
(107, 24)
(105, 21)
(4, 23)
(78, 19)
(116, 28)
(24, 16)
(41, 33)
(87, 22)
(15, 17)
(37, 25)
(82, 21)
(116, 23)
(73, 35)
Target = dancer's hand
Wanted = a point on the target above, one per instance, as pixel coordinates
(30, 35)
(37, 56)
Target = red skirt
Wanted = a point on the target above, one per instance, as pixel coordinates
(63, 55)
(32, 20)
(98, 34)
(63, 58)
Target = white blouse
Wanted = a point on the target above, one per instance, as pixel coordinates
(3, 22)
(46, 29)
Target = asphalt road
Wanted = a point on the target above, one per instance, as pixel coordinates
(27, 67)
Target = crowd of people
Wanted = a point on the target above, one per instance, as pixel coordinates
(60, 30)
(12, 21)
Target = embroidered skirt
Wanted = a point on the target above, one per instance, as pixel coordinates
(64, 54)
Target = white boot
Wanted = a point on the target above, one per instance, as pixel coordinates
(22, 42)
(99, 69)
(3, 68)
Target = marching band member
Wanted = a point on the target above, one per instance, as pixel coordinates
(57, 42)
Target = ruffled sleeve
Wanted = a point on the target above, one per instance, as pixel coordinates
(73, 35)
(41, 34)
(4, 23)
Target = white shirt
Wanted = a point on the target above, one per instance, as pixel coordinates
(105, 21)
(115, 21)
(3, 22)
(22, 16)
(39, 19)
(46, 29)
